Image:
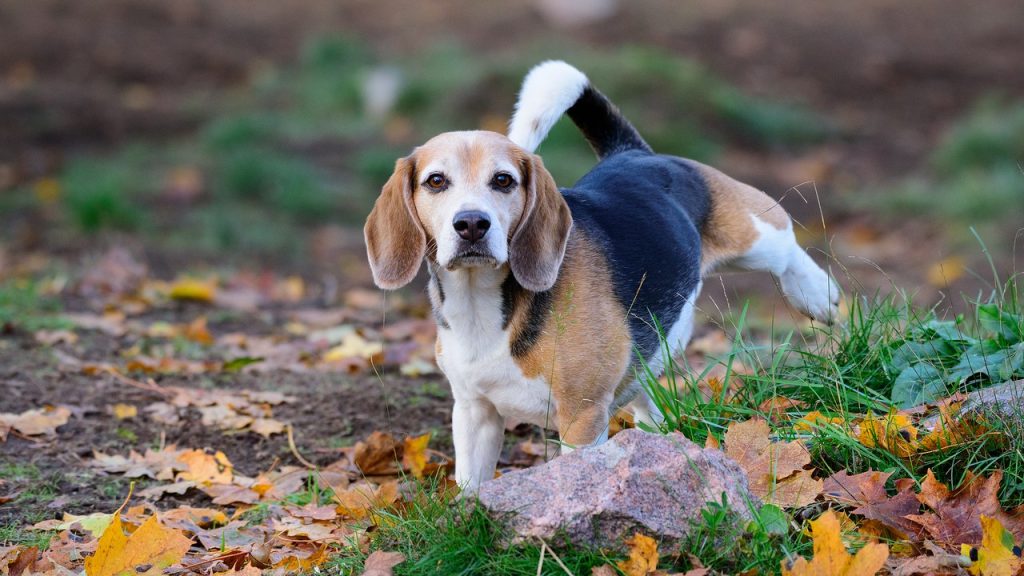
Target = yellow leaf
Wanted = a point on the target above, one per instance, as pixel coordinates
(125, 411)
(643, 556)
(204, 468)
(148, 550)
(353, 346)
(946, 271)
(815, 419)
(830, 556)
(894, 433)
(191, 289)
(414, 454)
(995, 556)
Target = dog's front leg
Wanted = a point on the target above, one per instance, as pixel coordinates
(478, 432)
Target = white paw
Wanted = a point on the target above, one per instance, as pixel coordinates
(811, 290)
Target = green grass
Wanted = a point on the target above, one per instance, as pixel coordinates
(22, 305)
(14, 535)
(439, 536)
(33, 488)
(886, 356)
(977, 176)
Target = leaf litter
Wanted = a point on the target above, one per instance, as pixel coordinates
(292, 518)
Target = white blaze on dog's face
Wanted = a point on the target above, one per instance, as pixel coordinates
(469, 196)
(469, 199)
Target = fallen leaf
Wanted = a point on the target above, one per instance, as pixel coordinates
(956, 516)
(379, 454)
(867, 492)
(125, 411)
(997, 555)
(148, 550)
(183, 516)
(830, 556)
(414, 454)
(95, 523)
(358, 500)
(17, 559)
(231, 494)
(775, 469)
(643, 556)
(939, 562)
(192, 289)
(381, 563)
(267, 427)
(814, 419)
(157, 464)
(36, 422)
(159, 491)
(354, 346)
(205, 468)
(893, 433)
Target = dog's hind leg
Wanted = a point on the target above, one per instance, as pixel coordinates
(747, 229)
(805, 285)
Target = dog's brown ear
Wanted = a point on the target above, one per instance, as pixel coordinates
(395, 240)
(538, 245)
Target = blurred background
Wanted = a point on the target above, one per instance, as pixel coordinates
(255, 134)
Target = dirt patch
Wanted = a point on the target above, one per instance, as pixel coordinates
(330, 411)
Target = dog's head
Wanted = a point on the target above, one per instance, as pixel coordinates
(469, 199)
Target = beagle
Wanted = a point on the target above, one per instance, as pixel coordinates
(548, 299)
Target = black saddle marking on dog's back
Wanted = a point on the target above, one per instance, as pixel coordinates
(645, 211)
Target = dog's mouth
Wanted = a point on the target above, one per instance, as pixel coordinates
(472, 258)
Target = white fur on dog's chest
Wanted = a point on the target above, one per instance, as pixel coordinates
(475, 353)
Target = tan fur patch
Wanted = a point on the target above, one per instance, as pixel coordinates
(729, 232)
(585, 347)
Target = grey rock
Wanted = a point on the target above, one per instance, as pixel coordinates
(636, 482)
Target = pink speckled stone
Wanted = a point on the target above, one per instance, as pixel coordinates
(635, 482)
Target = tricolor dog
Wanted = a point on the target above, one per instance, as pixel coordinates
(545, 298)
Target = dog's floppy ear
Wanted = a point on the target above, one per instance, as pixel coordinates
(395, 240)
(538, 244)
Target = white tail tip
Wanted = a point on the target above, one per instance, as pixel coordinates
(549, 89)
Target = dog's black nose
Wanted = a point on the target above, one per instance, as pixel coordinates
(471, 225)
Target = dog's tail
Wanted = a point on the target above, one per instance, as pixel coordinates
(553, 88)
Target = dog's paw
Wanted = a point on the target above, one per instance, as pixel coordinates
(811, 290)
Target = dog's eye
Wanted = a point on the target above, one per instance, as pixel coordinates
(503, 180)
(436, 182)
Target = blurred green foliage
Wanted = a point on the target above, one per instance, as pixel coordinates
(298, 147)
(978, 176)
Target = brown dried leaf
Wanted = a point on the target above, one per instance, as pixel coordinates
(867, 492)
(381, 563)
(378, 455)
(956, 516)
(775, 469)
